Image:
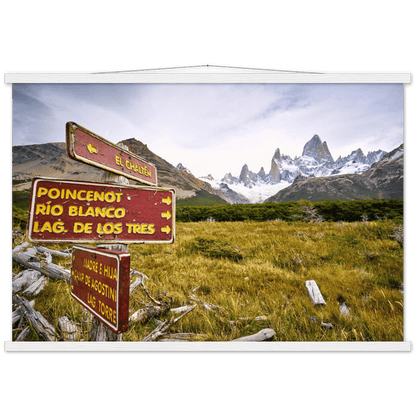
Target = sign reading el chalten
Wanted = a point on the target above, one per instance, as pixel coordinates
(72, 211)
(100, 281)
(88, 147)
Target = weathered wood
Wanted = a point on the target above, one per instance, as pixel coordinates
(21, 247)
(164, 326)
(69, 329)
(116, 247)
(24, 334)
(344, 310)
(100, 333)
(51, 270)
(263, 335)
(42, 327)
(207, 306)
(256, 319)
(17, 313)
(146, 313)
(36, 287)
(179, 337)
(314, 293)
(24, 279)
(53, 252)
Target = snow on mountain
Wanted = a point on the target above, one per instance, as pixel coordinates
(257, 192)
(316, 161)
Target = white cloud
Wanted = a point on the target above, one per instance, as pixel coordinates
(216, 128)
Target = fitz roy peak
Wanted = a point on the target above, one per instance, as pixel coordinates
(316, 161)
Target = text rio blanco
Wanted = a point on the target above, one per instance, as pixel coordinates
(59, 204)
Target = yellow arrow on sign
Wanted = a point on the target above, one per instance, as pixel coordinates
(167, 200)
(165, 229)
(92, 149)
(166, 215)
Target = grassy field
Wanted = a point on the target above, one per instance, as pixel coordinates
(259, 269)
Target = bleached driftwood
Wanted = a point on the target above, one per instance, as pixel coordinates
(256, 319)
(344, 310)
(24, 279)
(263, 335)
(24, 334)
(42, 327)
(179, 337)
(314, 293)
(69, 329)
(17, 313)
(207, 306)
(153, 311)
(327, 325)
(146, 313)
(36, 287)
(51, 270)
(53, 252)
(21, 247)
(164, 326)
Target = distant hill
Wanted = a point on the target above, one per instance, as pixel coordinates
(51, 160)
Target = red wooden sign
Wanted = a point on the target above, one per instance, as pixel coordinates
(72, 211)
(88, 147)
(100, 281)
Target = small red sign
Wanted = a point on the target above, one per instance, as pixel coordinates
(72, 211)
(88, 147)
(100, 281)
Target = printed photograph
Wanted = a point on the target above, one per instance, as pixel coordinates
(207, 212)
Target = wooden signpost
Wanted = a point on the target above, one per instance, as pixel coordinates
(89, 212)
(100, 281)
(86, 146)
(107, 213)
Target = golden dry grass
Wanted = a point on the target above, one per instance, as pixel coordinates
(259, 269)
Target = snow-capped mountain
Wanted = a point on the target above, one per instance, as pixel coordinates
(316, 161)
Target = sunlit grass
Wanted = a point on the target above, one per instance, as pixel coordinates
(353, 263)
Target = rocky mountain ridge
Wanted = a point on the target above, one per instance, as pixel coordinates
(50, 160)
(384, 179)
(316, 161)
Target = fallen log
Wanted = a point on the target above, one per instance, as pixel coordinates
(69, 329)
(207, 306)
(179, 337)
(36, 287)
(146, 313)
(51, 270)
(263, 335)
(42, 327)
(24, 279)
(17, 313)
(53, 252)
(314, 293)
(164, 326)
(21, 247)
(344, 310)
(24, 334)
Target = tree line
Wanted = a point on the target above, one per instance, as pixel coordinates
(334, 211)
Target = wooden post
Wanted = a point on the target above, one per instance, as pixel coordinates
(98, 331)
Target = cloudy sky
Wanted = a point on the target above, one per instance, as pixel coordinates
(216, 128)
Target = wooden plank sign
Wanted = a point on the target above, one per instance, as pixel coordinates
(86, 146)
(73, 211)
(100, 281)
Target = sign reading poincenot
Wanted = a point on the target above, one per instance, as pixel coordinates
(73, 211)
(86, 146)
(100, 281)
